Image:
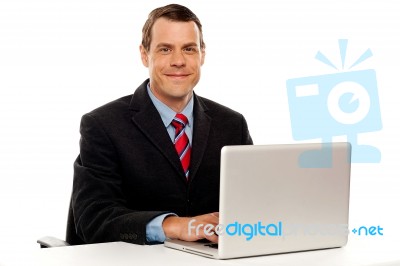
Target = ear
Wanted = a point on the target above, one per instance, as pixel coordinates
(203, 55)
(144, 56)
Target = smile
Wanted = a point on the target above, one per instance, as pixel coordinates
(177, 76)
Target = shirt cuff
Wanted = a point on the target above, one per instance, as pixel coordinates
(154, 231)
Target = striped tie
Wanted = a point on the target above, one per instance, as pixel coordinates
(181, 141)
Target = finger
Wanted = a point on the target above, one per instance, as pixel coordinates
(215, 214)
(212, 218)
(213, 238)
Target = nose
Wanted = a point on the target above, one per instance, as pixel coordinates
(178, 59)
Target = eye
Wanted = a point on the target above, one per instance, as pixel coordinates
(164, 50)
(190, 50)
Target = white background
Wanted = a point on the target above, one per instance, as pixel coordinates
(60, 59)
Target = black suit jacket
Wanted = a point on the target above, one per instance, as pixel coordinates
(128, 171)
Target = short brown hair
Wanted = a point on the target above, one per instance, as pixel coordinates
(172, 12)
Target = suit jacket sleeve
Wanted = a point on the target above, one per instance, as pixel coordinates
(98, 202)
(246, 140)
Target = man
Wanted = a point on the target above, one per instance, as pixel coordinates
(149, 162)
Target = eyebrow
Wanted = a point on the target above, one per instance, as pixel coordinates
(163, 44)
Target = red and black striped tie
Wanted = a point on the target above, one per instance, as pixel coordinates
(181, 141)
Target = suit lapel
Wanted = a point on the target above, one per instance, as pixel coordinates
(146, 117)
(202, 124)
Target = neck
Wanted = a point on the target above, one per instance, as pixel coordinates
(177, 104)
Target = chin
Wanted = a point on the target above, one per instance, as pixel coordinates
(180, 90)
(181, 95)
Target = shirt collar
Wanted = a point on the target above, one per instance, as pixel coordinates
(166, 113)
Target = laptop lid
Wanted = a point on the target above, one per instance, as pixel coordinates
(281, 198)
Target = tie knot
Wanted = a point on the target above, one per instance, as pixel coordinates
(179, 121)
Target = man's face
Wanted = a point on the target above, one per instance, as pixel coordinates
(174, 61)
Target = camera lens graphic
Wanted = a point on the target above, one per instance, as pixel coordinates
(344, 103)
(348, 102)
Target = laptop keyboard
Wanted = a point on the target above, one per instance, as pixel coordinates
(212, 245)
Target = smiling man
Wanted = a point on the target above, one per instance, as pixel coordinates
(174, 58)
(149, 162)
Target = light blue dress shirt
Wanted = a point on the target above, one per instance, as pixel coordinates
(154, 231)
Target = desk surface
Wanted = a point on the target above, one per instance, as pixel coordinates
(358, 252)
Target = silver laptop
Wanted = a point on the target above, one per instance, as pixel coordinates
(279, 199)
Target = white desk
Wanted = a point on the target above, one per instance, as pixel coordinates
(362, 251)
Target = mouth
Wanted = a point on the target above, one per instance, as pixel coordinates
(177, 75)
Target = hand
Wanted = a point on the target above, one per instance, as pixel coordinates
(192, 228)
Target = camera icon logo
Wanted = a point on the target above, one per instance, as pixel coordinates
(344, 103)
